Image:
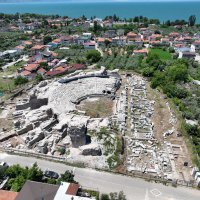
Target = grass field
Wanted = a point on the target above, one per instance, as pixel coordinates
(164, 55)
(102, 107)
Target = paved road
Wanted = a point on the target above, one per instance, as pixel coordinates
(135, 189)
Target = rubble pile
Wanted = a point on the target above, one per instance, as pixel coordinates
(47, 120)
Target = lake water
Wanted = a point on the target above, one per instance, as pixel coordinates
(162, 11)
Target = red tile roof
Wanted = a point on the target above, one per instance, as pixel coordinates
(38, 47)
(53, 73)
(72, 189)
(27, 42)
(42, 70)
(25, 73)
(20, 47)
(7, 195)
(131, 34)
(31, 67)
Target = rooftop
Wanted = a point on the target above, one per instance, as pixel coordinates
(35, 190)
(7, 195)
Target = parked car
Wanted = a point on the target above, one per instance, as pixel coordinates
(4, 164)
(51, 174)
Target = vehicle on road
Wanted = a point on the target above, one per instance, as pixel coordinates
(4, 164)
(51, 174)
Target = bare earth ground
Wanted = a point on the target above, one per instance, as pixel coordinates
(97, 107)
(161, 119)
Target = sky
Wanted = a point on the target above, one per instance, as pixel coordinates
(93, 1)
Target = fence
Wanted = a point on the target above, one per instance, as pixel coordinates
(147, 177)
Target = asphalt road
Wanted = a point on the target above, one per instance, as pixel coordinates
(135, 189)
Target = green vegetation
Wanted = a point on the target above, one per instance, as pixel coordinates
(92, 193)
(47, 39)
(163, 55)
(113, 196)
(74, 55)
(11, 39)
(7, 85)
(93, 56)
(98, 109)
(18, 176)
(20, 80)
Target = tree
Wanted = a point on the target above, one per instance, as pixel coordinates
(93, 56)
(35, 174)
(107, 42)
(105, 197)
(67, 177)
(2, 172)
(192, 20)
(39, 78)
(121, 196)
(20, 80)
(47, 39)
(95, 27)
(18, 183)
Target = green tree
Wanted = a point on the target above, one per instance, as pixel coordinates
(121, 196)
(178, 73)
(47, 39)
(107, 42)
(20, 80)
(67, 177)
(39, 78)
(35, 174)
(105, 197)
(95, 27)
(192, 20)
(93, 56)
(2, 172)
(18, 183)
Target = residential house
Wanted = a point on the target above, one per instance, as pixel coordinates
(26, 74)
(88, 35)
(82, 39)
(19, 49)
(47, 55)
(41, 71)
(143, 52)
(89, 45)
(165, 41)
(27, 43)
(121, 41)
(38, 48)
(32, 67)
(110, 34)
(195, 46)
(66, 40)
(173, 35)
(100, 41)
(132, 38)
(69, 191)
(7, 195)
(36, 190)
(187, 55)
(108, 23)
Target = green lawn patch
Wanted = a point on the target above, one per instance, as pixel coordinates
(163, 55)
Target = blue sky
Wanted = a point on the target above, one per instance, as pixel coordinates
(93, 1)
(96, 0)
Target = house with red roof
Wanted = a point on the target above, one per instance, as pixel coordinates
(32, 67)
(8, 195)
(143, 52)
(195, 45)
(41, 71)
(89, 45)
(38, 48)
